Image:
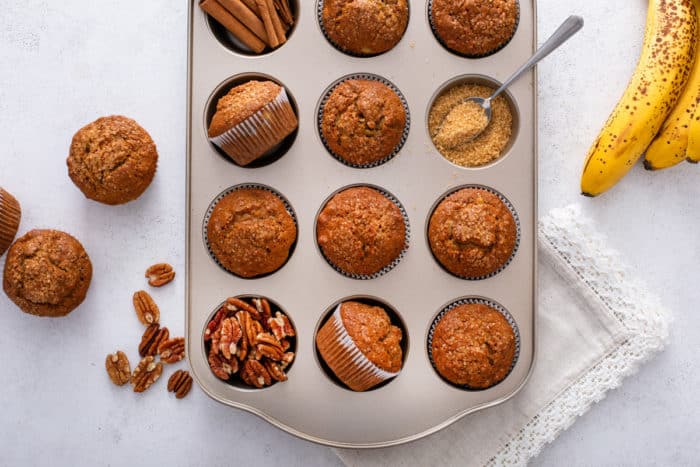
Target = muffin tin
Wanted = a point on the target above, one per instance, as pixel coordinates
(311, 404)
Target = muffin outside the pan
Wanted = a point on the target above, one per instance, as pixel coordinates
(10, 216)
(112, 160)
(251, 120)
(362, 27)
(473, 345)
(472, 233)
(363, 121)
(475, 28)
(250, 232)
(360, 345)
(360, 231)
(47, 273)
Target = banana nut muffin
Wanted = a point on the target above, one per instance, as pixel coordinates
(375, 353)
(250, 232)
(365, 27)
(473, 345)
(251, 119)
(361, 231)
(472, 233)
(10, 216)
(363, 121)
(112, 160)
(47, 273)
(474, 27)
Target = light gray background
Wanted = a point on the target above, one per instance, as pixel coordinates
(63, 64)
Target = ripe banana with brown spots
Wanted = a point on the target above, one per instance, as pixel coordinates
(658, 81)
(673, 143)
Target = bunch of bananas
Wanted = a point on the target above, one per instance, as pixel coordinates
(659, 113)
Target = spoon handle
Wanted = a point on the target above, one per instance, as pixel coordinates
(567, 29)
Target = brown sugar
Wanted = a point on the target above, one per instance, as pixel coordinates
(463, 123)
(486, 147)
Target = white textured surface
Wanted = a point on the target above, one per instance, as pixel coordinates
(63, 64)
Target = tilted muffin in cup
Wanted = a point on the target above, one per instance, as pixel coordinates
(360, 345)
(251, 120)
(10, 216)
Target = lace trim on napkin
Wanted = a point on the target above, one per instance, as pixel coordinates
(571, 236)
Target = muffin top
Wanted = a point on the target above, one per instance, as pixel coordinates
(47, 273)
(240, 103)
(371, 330)
(112, 160)
(475, 27)
(10, 215)
(472, 233)
(473, 345)
(363, 121)
(250, 232)
(365, 27)
(361, 231)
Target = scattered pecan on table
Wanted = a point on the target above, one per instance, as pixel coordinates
(146, 309)
(160, 274)
(118, 368)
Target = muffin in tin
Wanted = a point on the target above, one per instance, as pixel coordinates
(251, 120)
(364, 28)
(475, 28)
(250, 232)
(47, 273)
(112, 160)
(472, 233)
(363, 122)
(360, 345)
(10, 216)
(473, 345)
(360, 231)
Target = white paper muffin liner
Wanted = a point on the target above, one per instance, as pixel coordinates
(396, 260)
(230, 190)
(349, 363)
(371, 77)
(257, 135)
(481, 301)
(510, 207)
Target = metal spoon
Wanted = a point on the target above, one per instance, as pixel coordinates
(567, 29)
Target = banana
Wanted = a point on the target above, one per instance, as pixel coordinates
(659, 79)
(669, 147)
(692, 153)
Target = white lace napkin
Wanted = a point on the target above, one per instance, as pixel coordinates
(596, 325)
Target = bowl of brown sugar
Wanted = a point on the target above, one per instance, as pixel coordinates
(453, 122)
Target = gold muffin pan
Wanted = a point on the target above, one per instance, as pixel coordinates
(311, 404)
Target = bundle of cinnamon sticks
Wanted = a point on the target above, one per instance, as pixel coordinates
(258, 24)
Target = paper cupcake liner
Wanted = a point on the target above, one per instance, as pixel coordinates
(372, 77)
(319, 16)
(345, 359)
(396, 260)
(513, 212)
(257, 135)
(10, 216)
(487, 54)
(242, 186)
(481, 301)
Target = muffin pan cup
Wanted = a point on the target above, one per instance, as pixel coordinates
(418, 401)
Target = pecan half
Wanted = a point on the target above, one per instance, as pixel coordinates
(236, 304)
(275, 370)
(146, 373)
(254, 374)
(146, 309)
(152, 338)
(118, 368)
(223, 369)
(266, 345)
(280, 326)
(263, 307)
(172, 350)
(230, 336)
(180, 383)
(160, 274)
(287, 359)
(214, 323)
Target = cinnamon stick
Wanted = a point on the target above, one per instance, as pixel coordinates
(253, 7)
(244, 14)
(265, 13)
(276, 23)
(227, 20)
(285, 12)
